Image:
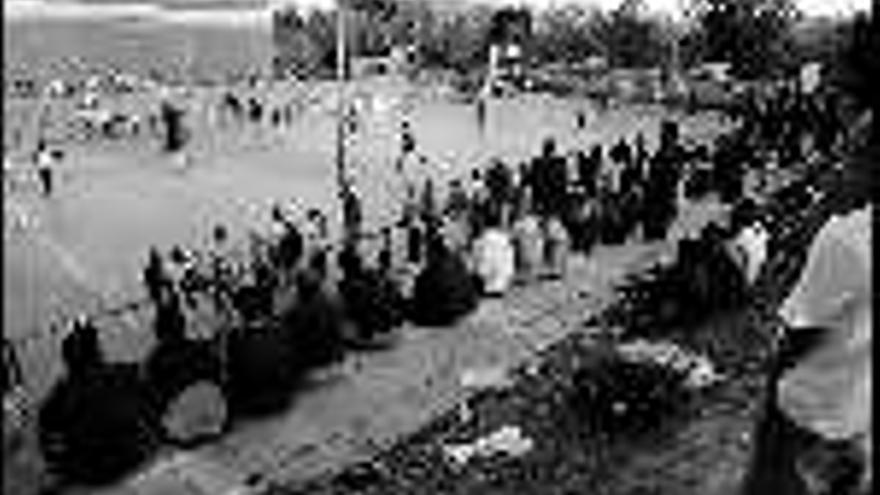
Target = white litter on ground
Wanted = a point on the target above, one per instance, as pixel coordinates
(507, 440)
(699, 369)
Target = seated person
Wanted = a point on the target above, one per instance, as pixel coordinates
(444, 289)
(556, 247)
(260, 370)
(372, 301)
(184, 377)
(313, 326)
(494, 259)
(748, 246)
(96, 425)
(528, 246)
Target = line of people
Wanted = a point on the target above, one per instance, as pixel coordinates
(296, 303)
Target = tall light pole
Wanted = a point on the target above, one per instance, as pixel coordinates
(341, 42)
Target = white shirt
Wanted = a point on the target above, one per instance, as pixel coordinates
(829, 392)
(529, 243)
(494, 260)
(752, 241)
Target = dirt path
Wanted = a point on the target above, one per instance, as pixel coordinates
(373, 399)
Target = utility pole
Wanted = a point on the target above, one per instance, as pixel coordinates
(341, 77)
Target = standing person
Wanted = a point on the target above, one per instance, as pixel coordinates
(588, 169)
(44, 160)
(528, 244)
(823, 402)
(12, 376)
(155, 277)
(816, 435)
(550, 180)
(499, 182)
(494, 258)
(556, 247)
(407, 146)
(481, 114)
(96, 424)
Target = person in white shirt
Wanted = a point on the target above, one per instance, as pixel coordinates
(816, 436)
(556, 247)
(529, 246)
(749, 246)
(494, 258)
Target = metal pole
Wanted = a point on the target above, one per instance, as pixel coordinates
(342, 110)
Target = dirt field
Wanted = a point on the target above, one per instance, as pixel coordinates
(82, 249)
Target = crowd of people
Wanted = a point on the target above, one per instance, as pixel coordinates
(296, 301)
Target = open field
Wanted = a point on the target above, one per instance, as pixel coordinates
(82, 249)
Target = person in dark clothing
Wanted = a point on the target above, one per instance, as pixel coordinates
(290, 246)
(457, 202)
(729, 163)
(261, 368)
(407, 144)
(352, 212)
(255, 110)
(178, 367)
(172, 120)
(12, 375)
(444, 290)
(551, 181)
(415, 240)
(154, 276)
(96, 425)
(372, 301)
(313, 326)
(499, 183)
(660, 198)
(640, 154)
(385, 258)
(621, 152)
(588, 170)
(428, 209)
(481, 114)
(580, 119)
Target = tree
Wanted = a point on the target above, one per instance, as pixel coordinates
(630, 38)
(566, 33)
(753, 35)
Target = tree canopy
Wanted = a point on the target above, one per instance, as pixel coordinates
(753, 35)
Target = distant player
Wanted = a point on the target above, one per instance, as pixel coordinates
(44, 160)
(481, 114)
(407, 145)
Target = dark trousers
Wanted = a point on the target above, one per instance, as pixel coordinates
(45, 175)
(781, 458)
(778, 442)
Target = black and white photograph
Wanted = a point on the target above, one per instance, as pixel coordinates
(438, 247)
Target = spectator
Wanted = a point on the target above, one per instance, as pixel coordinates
(154, 276)
(750, 241)
(556, 247)
(96, 425)
(372, 301)
(444, 290)
(817, 430)
(45, 161)
(494, 257)
(499, 182)
(184, 378)
(529, 245)
(313, 326)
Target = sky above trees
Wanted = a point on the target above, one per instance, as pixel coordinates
(257, 11)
